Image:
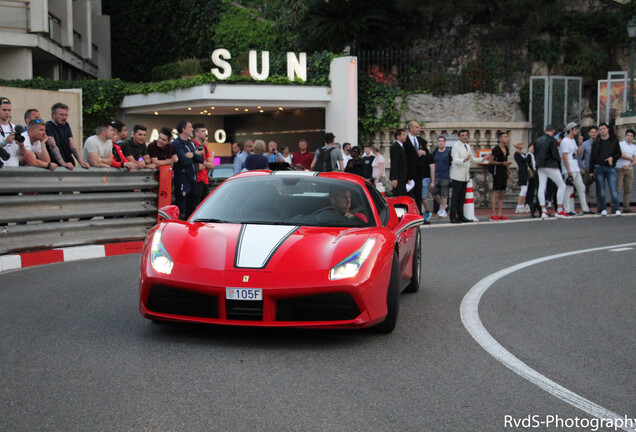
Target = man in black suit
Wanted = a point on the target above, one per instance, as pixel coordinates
(414, 148)
(399, 170)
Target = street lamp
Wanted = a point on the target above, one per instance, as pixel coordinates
(631, 31)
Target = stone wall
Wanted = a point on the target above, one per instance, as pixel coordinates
(470, 107)
(483, 115)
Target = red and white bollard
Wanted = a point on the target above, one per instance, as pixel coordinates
(469, 202)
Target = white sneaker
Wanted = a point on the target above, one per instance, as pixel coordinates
(520, 209)
(604, 213)
(544, 215)
(618, 213)
(526, 208)
(442, 213)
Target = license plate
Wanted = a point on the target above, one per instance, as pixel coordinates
(243, 293)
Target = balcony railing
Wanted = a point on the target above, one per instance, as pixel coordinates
(55, 29)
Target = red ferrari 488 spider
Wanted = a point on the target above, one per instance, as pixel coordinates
(286, 249)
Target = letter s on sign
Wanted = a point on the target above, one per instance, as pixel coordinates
(218, 58)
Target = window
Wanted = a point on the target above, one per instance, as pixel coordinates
(380, 204)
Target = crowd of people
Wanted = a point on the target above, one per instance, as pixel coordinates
(553, 168)
(416, 171)
(51, 145)
(571, 162)
(332, 156)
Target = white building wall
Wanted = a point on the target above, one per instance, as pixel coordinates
(63, 10)
(341, 113)
(46, 26)
(101, 38)
(15, 63)
(39, 16)
(81, 25)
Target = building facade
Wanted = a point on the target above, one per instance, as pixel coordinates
(54, 39)
(236, 112)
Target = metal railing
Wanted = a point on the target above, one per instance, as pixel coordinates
(45, 209)
(431, 73)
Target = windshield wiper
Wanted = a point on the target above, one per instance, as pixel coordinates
(210, 220)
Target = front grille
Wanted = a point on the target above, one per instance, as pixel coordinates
(323, 307)
(247, 310)
(175, 301)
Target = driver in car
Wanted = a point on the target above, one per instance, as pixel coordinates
(338, 210)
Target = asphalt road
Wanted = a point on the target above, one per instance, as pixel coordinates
(75, 354)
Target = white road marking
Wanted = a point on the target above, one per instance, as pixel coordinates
(470, 318)
(621, 249)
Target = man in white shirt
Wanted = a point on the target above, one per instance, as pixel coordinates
(98, 148)
(239, 159)
(7, 130)
(462, 155)
(34, 146)
(39, 150)
(346, 156)
(625, 168)
(569, 152)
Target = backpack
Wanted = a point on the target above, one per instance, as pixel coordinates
(323, 163)
(355, 166)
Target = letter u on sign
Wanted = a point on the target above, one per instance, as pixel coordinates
(254, 65)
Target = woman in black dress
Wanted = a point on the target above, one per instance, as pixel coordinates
(500, 173)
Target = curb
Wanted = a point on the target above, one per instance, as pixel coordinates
(50, 256)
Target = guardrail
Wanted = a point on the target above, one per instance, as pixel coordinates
(45, 209)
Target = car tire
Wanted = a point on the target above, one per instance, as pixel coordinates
(392, 300)
(414, 286)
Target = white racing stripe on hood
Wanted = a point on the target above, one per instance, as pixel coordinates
(257, 243)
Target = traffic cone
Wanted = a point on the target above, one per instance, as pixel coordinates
(469, 203)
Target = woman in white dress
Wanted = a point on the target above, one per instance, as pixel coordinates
(377, 165)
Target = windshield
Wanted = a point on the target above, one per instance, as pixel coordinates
(223, 171)
(287, 200)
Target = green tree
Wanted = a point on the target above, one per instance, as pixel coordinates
(149, 34)
(240, 30)
(336, 24)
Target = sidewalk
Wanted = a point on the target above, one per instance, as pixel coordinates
(483, 214)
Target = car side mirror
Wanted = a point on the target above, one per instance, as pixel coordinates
(170, 212)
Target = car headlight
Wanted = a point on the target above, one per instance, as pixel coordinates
(159, 257)
(350, 266)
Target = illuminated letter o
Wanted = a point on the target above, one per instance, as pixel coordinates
(220, 136)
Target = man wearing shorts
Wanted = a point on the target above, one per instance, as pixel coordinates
(443, 160)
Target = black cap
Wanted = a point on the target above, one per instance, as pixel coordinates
(4, 100)
(329, 137)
